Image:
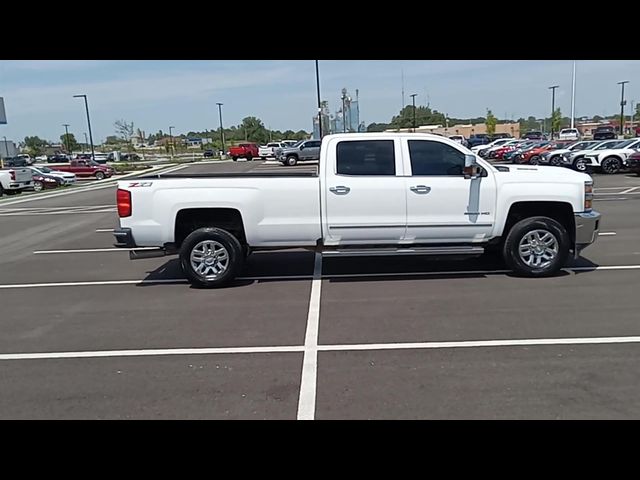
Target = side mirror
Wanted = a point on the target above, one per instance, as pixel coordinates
(469, 161)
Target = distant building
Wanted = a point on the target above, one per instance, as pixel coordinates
(347, 121)
(466, 131)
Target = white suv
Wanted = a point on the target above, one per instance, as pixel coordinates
(569, 134)
(612, 160)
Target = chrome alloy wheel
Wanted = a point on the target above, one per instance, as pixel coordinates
(209, 259)
(538, 248)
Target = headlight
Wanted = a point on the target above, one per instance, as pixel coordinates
(588, 196)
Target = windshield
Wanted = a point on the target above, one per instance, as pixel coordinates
(626, 143)
(605, 145)
(45, 169)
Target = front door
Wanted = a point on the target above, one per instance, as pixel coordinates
(364, 192)
(311, 150)
(442, 205)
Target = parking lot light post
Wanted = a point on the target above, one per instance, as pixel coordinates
(86, 106)
(319, 101)
(6, 147)
(553, 105)
(413, 100)
(622, 104)
(86, 142)
(344, 118)
(66, 137)
(221, 127)
(171, 141)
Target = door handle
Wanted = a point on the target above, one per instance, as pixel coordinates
(421, 189)
(340, 190)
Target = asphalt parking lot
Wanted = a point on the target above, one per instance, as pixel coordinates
(88, 334)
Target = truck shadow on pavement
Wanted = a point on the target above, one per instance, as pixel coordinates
(298, 265)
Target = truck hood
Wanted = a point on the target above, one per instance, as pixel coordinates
(540, 174)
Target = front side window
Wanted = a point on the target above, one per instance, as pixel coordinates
(366, 157)
(435, 158)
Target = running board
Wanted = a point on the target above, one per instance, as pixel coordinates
(370, 252)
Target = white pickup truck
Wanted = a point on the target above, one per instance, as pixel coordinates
(15, 180)
(374, 194)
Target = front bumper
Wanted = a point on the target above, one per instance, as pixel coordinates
(587, 228)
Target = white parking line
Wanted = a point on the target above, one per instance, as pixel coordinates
(604, 234)
(629, 190)
(150, 352)
(324, 348)
(308, 382)
(91, 250)
(305, 277)
(104, 230)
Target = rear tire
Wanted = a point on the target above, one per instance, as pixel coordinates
(536, 247)
(235, 159)
(227, 256)
(291, 161)
(99, 176)
(2, 191)
(611, 165)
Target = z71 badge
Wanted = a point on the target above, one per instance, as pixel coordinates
(140, 184)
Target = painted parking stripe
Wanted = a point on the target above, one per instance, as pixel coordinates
(308, 382)
(606, 234)
(324, 348)
(304, 277)
(91, 250)
(104, 230)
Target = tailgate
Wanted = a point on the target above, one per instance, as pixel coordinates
(22, 175)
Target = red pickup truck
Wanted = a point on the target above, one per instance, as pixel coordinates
(244, 150)
(87, 168)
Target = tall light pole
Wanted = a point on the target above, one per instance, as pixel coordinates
(221, 128)
(66, 137)
(86, 142)
(573, 95)
(6, 147)
(344, 113)
(413, 101)
(622, 104)
(553, 105)
(319, 101)
(171, 140)
(86, 106)
(633, 116)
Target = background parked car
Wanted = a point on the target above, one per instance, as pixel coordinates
(44, 182)
(569, 134)
(58, 158)
(208, 154)
(633, 162)
(63, 178)
(479, 139)
(557, 157)
(576, 159)
(612, 160)
(604, 132)
(270, 149)
(305, 150)
(460, 139)
(534, 135)
(16, 162)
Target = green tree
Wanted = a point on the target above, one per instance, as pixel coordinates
(637, 112)
(35, 145)
(491, 122)
(556, 120)
(69, 142)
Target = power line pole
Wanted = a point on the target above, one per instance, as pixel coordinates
(413, 98)
(66, 137)
(221, 128)
(573, 95)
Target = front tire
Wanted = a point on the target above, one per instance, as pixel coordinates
(38, 186)
(211, 257)
(536, 247)
(554, 161)
(99, 176)
(235, 159)
(534, 160)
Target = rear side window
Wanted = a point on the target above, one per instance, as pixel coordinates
(366, 157)
(435, 158)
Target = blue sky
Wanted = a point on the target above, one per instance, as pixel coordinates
(156, 94)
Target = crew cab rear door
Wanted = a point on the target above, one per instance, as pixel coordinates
(442, 205)
(364, 191)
